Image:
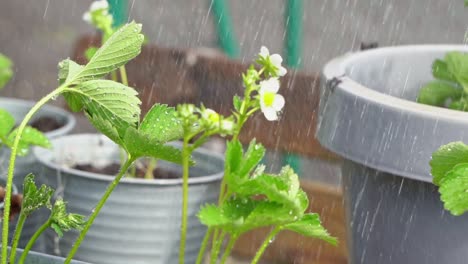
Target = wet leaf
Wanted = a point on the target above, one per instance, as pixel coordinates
(309, 225)
(63, 221)
(29, 137)
(122, 46)
(7, 122)
(33, 197)
(446, 158)
(6, 71)
(139, 144)
(437, 93)
(162, 124)
(454, 189)
(440, 71)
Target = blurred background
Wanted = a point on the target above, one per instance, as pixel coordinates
(38, 34)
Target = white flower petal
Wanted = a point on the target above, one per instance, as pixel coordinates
(278, 103)
(87, 17)
(264, 52)
(282, 71)
(271, 85)
(96, 5)
(276, 60)
(227, 125)
(270, 114)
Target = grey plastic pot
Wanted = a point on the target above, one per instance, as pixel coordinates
(24, 165)
(140, 223)
(370, 117)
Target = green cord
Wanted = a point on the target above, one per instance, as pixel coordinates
(293, 26)
(223, 23)
(118, 9)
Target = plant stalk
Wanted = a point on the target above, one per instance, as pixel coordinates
(265, 244)
(230, 245)
(186, 151)
(11, 167)
(123, 75)
(201, 253)
(150, 168)
(98, 208)
(33, 240)
(217, 243)
(16, 237)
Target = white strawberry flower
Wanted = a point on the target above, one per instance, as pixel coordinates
(275, 60)
(271, 103)
(96, 6)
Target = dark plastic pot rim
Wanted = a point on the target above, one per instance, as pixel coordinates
(340, 67)
(124, 180)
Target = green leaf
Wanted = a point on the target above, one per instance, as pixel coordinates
(30, 136)
(67, 70)
(212, 216)
(122, 46)
(6, 72)
(106, 128)
(252, 158)
(440, 71)
(267, 213)
(457, 64)
(283, 188)
(111, 101)
(437, 92)
(454, 189)
(466, 2)
(63, 221)
(234, 154)
(237, 102)
(89, 52)
(34, 198)
(445, 159)
(7, 122)
(162, 124)
(311, 226)
(139, 144)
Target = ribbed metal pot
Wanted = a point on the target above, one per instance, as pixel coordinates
(140, 223)
(28, 164)
(368, 115)
(40, 258)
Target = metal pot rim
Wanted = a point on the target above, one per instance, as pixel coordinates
(108, 178)
(70, 120)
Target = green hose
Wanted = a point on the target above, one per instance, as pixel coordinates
(118, 9)
(223, 22)
(293, 56)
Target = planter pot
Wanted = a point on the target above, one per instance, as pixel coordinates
(140, 222)
(371, 118)
(24, 165)
(39, 258)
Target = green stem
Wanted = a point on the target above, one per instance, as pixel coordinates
(98, 208)
(114, 76)
(33, 240)
(201, 253)
(229, 247)
(11, 167)
(185, 175)
(150, 168)
(19, 228)
(123, 75)
(217, 243)
(265, 244)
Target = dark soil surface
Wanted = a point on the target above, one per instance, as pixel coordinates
(113, 169)
(46, 124)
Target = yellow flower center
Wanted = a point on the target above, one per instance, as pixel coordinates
(268, 98)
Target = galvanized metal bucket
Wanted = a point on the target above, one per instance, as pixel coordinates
(28, 164)
(39, 258)
(140, 223)
(368, 115)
